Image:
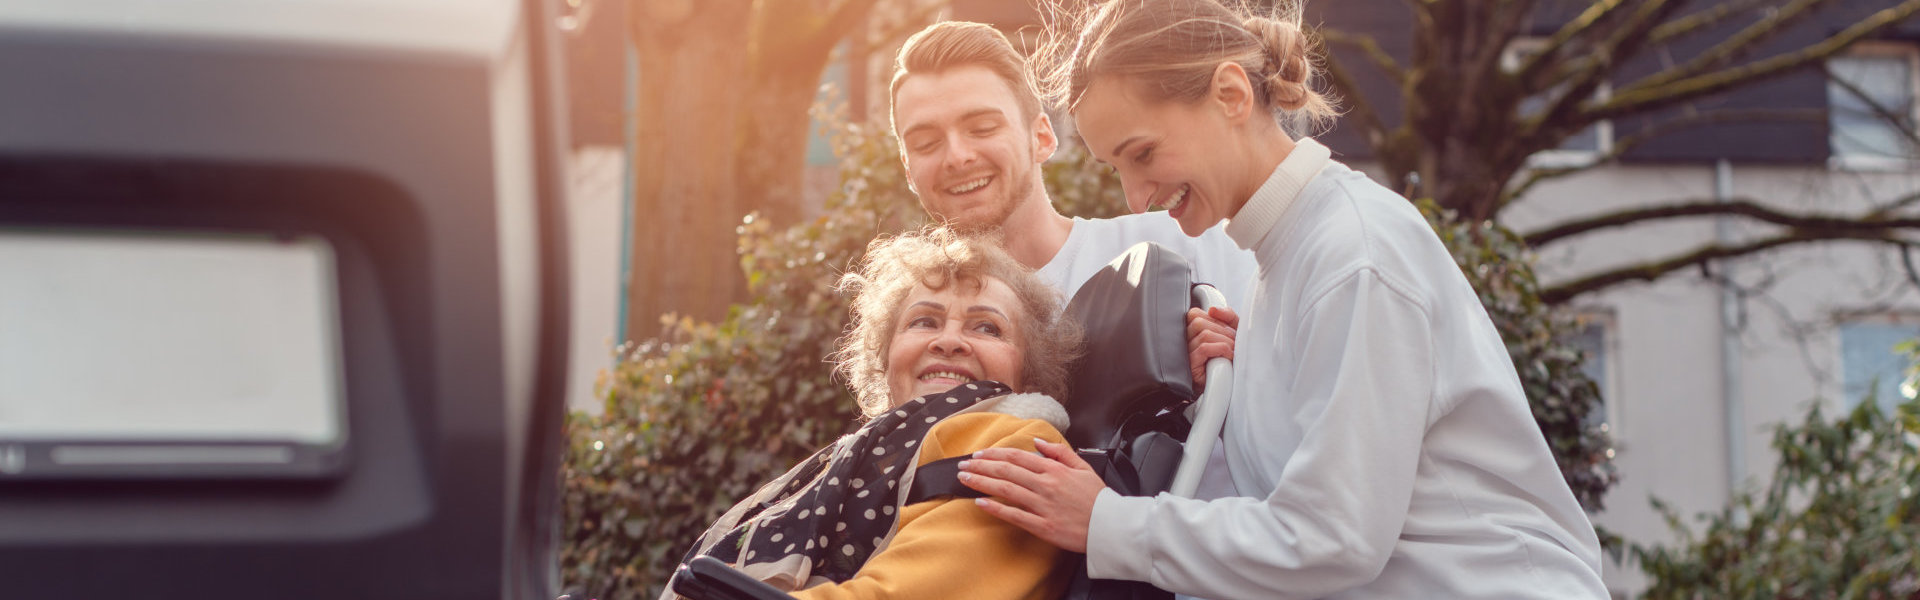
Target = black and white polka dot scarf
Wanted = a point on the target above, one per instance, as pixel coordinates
(820, 521)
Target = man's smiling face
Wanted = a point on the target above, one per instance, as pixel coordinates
(971, 155)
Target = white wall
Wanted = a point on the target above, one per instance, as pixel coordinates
(1667, 403)
(596, 184)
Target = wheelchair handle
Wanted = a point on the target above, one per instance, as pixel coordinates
(1209, 412)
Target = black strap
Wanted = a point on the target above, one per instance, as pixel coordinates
(939, 480)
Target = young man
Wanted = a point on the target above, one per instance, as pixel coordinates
(973, 137)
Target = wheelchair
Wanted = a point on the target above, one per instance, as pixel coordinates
(1133, 401)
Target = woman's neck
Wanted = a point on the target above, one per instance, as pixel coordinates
(1267, 146)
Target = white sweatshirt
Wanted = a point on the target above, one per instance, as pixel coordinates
(1377, 429)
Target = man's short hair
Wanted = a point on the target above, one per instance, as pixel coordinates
(951, 44)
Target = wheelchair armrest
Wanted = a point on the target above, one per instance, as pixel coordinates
(706, 578)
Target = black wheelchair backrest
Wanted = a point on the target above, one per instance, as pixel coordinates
(1135, 366)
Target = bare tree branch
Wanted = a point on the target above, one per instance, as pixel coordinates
(1903, 124)
(1774, 23)
(1624, 144)
(1745, 207)
(1564, 116)
(1701, 20)
(1540, 64)
(1641, 97)
(1650, 271)
(1906, 260)
(1368, 47)
(1508, 24)
(1894, 206)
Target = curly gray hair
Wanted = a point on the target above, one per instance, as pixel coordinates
(937, 257)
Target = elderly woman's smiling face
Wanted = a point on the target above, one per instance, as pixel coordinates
(967, 331)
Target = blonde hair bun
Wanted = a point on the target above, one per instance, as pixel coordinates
(1170, 48)
(1287, 68)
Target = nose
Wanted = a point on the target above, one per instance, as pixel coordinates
(1137, 191)
(960, 152)
(950, 343)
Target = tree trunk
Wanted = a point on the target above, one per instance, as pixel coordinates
(722, 123)
(687, 198)
(786, 74)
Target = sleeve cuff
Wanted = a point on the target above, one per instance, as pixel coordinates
(1117, 537)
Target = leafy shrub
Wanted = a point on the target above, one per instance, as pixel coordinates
(698, 418)
(1840, 519)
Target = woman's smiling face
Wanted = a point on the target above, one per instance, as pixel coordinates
(1170, 155)
(966, 331)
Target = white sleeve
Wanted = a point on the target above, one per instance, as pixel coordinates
(1364, 387)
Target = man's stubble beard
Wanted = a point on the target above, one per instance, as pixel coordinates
(1017, 196)
(995, 224)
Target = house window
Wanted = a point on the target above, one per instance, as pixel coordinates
(1871, 111)
(1869, 363)
(1593, 336)
(1579, 149)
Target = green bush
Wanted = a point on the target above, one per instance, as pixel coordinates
(698, 418)
(1840, 518)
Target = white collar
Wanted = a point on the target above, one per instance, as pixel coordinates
(1262, 212)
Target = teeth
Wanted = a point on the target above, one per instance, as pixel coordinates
(969, 186)
(1179, 197)
(946, 375)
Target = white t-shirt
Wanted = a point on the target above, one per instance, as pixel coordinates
(1215, 259)
(1095, 242)
(1377, 429)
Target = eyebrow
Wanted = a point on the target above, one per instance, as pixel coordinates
(942, 307)
(985, 308)
(970, 115)
(1089, 146)
(1123, 145)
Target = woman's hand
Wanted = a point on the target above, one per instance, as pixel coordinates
(1209, 335)
(1050, 495)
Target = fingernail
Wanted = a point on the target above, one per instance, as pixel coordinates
(980, 501)
(1037, 442)
(965, 476)
(964, 463)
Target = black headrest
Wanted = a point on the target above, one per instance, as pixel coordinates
(1134, 312)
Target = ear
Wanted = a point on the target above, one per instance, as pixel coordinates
(1232, 91)
(1044, 140)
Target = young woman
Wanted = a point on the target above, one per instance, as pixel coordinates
(947, 330)
(1378, 438)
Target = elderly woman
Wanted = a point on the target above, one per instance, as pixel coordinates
(954, 348)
